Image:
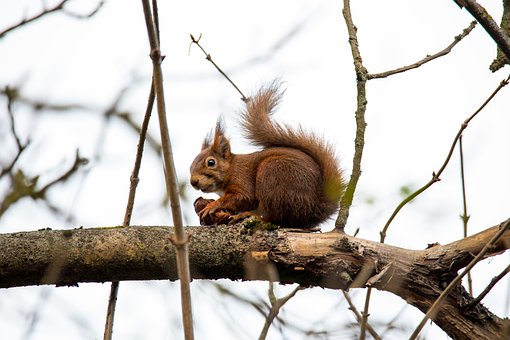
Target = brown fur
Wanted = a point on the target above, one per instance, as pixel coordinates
(295, 181)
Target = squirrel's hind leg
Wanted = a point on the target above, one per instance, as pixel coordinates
(286, 189)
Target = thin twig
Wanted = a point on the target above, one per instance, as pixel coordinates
(26, 186)
(435, 306)
(436, 175)
(23, 22)
(489, 287)
(276, 305)
(365, 314)
(114, 290)
(57, 7)
(179, 239)
(358, 316)
(78, 162)
(209, 58)
(11, 97)
(464, 216)
(14, 94)
(428, 58)
(359, 140)
(85, 16)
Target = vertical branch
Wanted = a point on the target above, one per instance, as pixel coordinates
(180, 239)
(359, 141)
(464, 216)
(114, 290)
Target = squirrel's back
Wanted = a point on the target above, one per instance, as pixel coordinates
(260, 130)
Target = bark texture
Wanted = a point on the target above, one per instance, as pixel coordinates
(329, 260)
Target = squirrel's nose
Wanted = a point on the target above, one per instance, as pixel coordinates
(194, 182)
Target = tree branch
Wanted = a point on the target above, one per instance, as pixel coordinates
(329, 260)
(359, 139)
(179, 239)
(496, 33)
(58, 7)
(428, 58)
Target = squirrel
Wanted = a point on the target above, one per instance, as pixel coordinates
(295, 181)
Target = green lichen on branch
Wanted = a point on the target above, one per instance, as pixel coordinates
(254, 223)
(501, 60)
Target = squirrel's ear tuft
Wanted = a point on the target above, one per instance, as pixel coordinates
(207, 140)
(221, 144)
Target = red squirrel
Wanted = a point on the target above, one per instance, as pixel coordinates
(294, 181)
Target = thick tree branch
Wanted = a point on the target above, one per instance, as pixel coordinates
(496, 33)
(330, 260)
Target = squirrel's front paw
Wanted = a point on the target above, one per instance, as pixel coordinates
(200, 203)
(206, 210)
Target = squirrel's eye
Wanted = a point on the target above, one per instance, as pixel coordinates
(211, 162)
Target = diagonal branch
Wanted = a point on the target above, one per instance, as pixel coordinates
(428, 58)
(436, 175)
(492, 28)
(58, 7)
(209, 58)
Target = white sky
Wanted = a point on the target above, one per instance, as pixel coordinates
(412, 119)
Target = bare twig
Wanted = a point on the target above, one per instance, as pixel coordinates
(489, 287)
(484, 18)
(209, 58)
(358, 316)
(180, 239)
(435, 306)
(365, 314)
(87, 15)
(10, 100)
(464, 216)
(435, 175)
(14, 94)
(58, 7)
(11, 97)
(428, 58)
(359, 141)
(131, 123)
(78, 162)
(276, 305)
(114, 290)
(25, 186)
(23, 22)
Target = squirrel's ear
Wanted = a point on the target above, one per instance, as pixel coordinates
(207, 141)
(221, 144)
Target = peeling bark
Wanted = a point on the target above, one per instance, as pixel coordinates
(329, 260)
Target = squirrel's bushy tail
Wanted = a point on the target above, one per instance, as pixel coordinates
(262, 131)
